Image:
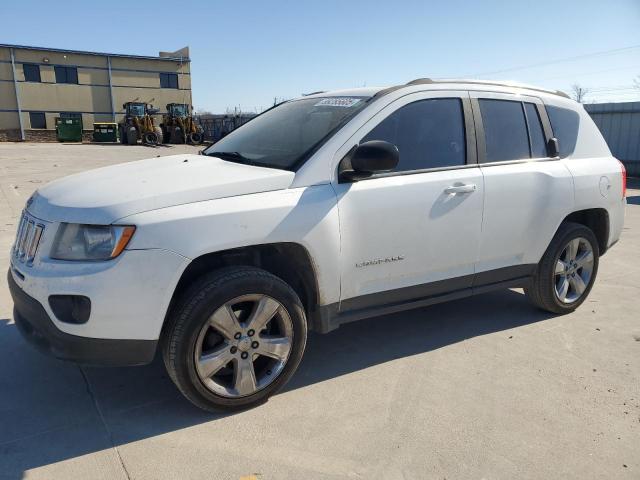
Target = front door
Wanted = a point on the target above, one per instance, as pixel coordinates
(414, 232)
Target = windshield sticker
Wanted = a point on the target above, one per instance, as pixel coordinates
(337, 102)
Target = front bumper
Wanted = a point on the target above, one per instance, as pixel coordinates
(37, 328)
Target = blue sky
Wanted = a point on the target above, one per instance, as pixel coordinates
(246, 53)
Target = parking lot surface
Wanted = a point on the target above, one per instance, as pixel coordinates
(486, 387)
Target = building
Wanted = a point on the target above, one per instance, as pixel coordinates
(620, 127)
(39, 84)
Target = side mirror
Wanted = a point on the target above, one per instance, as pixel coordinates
(368, 158)
(553, 147)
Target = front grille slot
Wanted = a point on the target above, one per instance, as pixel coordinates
(27, 239)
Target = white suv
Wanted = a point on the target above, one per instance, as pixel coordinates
(323, 210)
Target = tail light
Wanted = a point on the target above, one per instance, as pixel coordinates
(624, 180)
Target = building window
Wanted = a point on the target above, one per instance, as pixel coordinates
(31, 72)
(66, 74)
(168, 80)
(38, 120)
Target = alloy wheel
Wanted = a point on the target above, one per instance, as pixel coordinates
(244, 345)
(574, 269)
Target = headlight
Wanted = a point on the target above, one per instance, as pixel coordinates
(90, 242)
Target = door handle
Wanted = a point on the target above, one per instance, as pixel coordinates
(466, 188)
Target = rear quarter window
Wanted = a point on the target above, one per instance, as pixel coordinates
(565, 123)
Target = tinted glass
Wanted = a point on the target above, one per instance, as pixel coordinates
(428, 134)
(168, 80)
(72, 75)
(37, 120)
(66, 74)
(536, 134)
(564, 123)
(31, 72)
(505, 130)
(283, 136)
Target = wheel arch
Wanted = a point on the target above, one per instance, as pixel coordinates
(597, 220)
(289, 261)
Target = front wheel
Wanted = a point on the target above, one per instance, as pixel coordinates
(234, 339)
(567, 271)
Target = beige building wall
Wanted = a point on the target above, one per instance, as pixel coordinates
(132, 79)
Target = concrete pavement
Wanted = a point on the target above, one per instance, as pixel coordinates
(486, 387)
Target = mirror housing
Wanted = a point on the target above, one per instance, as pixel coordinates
(553, 147)
(368, 158)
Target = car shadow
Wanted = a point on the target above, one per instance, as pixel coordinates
(51, 411)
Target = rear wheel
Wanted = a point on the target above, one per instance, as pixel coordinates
(235, 338)
(567, 271)
(159, 136)
(150, 138)
(196, 138)
(132, 136)
(177, 135)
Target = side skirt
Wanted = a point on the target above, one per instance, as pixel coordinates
(329, 317)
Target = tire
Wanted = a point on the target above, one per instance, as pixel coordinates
(132, 136)
(192, 329)
(196, 138)
(159, 136)
(556, 270)
(166, 135)
(150, 138)
(177, 136)
(123, 137)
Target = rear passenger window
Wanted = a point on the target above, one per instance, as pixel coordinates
(536, 135)
(428, 134)
(505, 130)
(564, 123)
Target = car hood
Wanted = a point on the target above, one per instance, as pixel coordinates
(107, 194)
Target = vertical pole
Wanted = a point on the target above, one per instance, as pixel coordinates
(17, 89)
(113, 110)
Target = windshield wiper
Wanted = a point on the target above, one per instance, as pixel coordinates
(232, 157)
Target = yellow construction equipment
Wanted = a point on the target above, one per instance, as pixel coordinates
(138, 124)
(179, 126)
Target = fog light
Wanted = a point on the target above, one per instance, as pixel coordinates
(70, 308)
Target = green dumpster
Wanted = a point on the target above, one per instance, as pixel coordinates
(105, 132)
(69, 129)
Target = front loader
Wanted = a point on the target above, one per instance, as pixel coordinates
(179, 126)
(138, 124)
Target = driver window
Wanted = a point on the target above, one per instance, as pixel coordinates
(428, 134)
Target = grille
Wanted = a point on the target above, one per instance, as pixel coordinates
(28, 239)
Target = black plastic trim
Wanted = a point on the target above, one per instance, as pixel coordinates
(329, 317)
(36, 327)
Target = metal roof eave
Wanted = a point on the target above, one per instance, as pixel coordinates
(101, 54)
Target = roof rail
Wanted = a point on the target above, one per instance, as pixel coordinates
(423, 81)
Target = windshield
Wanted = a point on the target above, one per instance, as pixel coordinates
(283, 136)
(136, 110)
(179, 110)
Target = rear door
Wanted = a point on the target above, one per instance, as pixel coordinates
(526, 193)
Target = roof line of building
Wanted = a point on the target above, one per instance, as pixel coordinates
(102, 54)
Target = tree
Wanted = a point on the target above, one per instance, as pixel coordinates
(578, 93)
